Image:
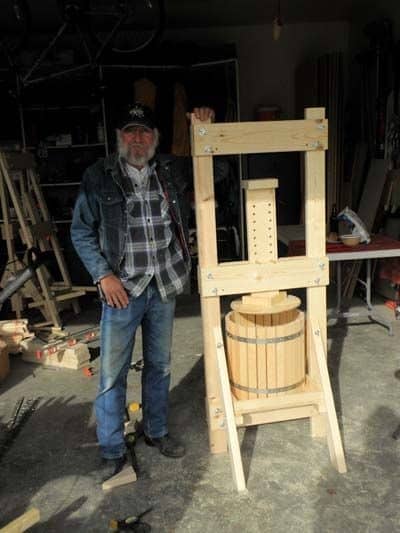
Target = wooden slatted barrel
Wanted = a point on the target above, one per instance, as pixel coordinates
(265, 345)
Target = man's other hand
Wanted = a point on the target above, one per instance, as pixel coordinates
(114, 292)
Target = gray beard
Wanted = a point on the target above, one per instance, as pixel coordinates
(124, 152)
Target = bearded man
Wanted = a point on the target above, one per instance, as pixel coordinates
(129, 230)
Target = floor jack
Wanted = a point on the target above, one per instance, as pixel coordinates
(129, 472)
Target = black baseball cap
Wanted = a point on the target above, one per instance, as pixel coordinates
(136, 115)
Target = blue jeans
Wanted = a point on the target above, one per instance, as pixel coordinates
(118, 330)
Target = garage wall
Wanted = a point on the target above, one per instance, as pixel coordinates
(267, 67)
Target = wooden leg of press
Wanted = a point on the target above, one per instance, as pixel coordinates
(211, 316)
(333, 433)
(226, 395)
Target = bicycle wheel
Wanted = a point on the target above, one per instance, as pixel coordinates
(127, 26)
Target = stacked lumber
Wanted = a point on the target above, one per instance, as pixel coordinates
(61, 356)
(13, 332)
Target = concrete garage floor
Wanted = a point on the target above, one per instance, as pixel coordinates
(292, 485)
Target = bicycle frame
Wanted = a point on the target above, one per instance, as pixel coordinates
(74, 13)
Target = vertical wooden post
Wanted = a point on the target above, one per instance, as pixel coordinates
(210, 306)
(315, 226)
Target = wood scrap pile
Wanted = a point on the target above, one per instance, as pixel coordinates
(66, 351)
(59, 355)
(13, 332)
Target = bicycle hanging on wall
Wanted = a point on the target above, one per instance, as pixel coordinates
(121, 27)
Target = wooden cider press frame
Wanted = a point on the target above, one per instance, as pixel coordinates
(276, 368)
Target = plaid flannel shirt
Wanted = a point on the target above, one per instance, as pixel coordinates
(152, 248)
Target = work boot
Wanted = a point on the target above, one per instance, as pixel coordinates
(109, 468)
(167, 445)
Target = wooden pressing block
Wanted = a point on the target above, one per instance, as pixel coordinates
(127, 475)
(73, 357)
(266, 303)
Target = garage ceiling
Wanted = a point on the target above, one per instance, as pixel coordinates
(200, 13)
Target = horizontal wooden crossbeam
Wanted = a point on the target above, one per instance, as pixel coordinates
(59, 298)
(279, 415)
(259, 137)
(242, 277)
(275, 403)
(256, 184)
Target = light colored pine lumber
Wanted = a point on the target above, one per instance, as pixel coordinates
(261, 355)
(285, 273)
(262, 274)
(233, 440)
(315, 228)
(270, 417)
(259, 137)
(274, 403)
(261, 223)
(203, 175)
(73, 357)
(333, 434)
(241, 331)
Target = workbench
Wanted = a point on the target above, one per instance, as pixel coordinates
(380, 247)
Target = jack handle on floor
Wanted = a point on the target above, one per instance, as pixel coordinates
(132, 523)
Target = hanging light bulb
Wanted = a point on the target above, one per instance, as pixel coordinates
(277, 24)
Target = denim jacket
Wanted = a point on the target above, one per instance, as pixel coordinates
(99, 223)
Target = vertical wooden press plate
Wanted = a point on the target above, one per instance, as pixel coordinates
(261, 225)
